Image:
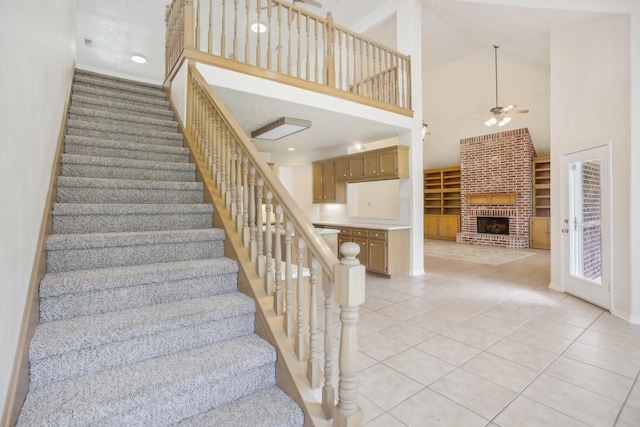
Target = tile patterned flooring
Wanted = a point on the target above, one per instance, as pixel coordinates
(470, 344)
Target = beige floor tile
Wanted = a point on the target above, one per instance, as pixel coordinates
(391, 295)
(428, 408)
(514, 317)
(501, 371)
(449, 350)
(373, 302)
(369, 409)
(566, 318)
(617, 344)
(521, 353)
(575, 305)
(616, 327)
(551, 327)
(471, 336)
(634, 396)
(604, 359)
(524, 412)
(494, 326)
(473, 392)
(538, 339)
(419, 366)
(423, 303)
(400, 312)
(376, 321)
(432, 323)
(453, 313)
(577, 402)
(407, 334)
(385, 420)
(386, 387)
(606, 383)
(380, 347)
(629, 417)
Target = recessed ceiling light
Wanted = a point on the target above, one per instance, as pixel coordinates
(136, 57)
(258, 27)
(291, 149)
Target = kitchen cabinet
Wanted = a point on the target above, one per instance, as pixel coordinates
(325, 187)
(375, 247)
(386, 163)
(348, 168)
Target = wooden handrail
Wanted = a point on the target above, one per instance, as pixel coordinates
(310, 48)
(243, 184)
(303, 226)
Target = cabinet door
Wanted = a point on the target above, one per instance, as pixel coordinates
(431, 226)
(449, 227)
(540, 236)
(343, 169)
(318, 192)
(370, 165)
(388, 161)
(355, 167)
(377, 256)
(329, 181)
(362, 256)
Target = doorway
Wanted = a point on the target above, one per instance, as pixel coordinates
(586, 231)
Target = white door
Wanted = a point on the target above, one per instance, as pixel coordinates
(586, 231)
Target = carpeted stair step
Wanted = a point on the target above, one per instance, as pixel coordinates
(127, 97)
(159, 391)
(98, 76)
(99, 147)
(125, 191)
(120, 86)
(79, 218)
(72, 252)
(124, 133)
(116, 106)
(118, 119)
(116, 168)
(265, 408)
(94, 344)
(88, 292)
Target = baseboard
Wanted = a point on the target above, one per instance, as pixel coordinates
(555, 287)
(626, 316)
(19, 383)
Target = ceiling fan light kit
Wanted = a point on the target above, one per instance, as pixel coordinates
(499, 114)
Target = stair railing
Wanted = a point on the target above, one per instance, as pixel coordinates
(289, 256)
(293, 45)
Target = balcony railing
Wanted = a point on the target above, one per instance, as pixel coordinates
(280, 41)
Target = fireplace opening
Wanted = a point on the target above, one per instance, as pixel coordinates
(493, 225)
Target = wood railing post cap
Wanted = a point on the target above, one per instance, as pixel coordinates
(349, 277)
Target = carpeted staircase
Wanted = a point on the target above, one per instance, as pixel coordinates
(141, 322)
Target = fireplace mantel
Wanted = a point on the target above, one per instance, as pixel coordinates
(491, 199)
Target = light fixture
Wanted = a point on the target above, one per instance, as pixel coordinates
(499, 114)
(291, 149)
(424, 130)
(258, 27)
(282, 127)
(136, 57)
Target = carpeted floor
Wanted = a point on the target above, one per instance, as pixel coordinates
(491, 255)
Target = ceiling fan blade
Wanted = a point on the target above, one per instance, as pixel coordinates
(518, 111)
(508, 107)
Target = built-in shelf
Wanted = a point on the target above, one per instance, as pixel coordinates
(442, 203)
(540, 227)
(491, 198)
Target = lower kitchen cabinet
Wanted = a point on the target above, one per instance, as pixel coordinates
(383, 252)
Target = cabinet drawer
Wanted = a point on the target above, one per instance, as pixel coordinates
(359, 232)
(343, 231)
(378, 234)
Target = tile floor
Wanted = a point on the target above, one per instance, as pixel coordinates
(470, 344)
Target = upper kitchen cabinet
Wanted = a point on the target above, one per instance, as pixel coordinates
(348, 168)
(386, 163)
(325, 187)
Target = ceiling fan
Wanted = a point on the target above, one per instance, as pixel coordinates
(500, 115)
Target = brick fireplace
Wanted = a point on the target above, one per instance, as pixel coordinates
(496, 181)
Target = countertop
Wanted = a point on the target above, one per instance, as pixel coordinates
(354, 224)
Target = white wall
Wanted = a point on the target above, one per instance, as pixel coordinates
(38, 51)
(457, 98)
(590, 101)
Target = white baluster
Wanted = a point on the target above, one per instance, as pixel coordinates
(246, 237)
(260, 228)
(288, 273)
(328, 391)
(252, 214)
(301, 339)
(314, 373)
(239, 197)
(277, 297)
(268, 245)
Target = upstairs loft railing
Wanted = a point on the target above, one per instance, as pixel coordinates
(278, 40)
(289, 259)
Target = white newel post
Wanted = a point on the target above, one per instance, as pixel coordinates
(349, 278)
